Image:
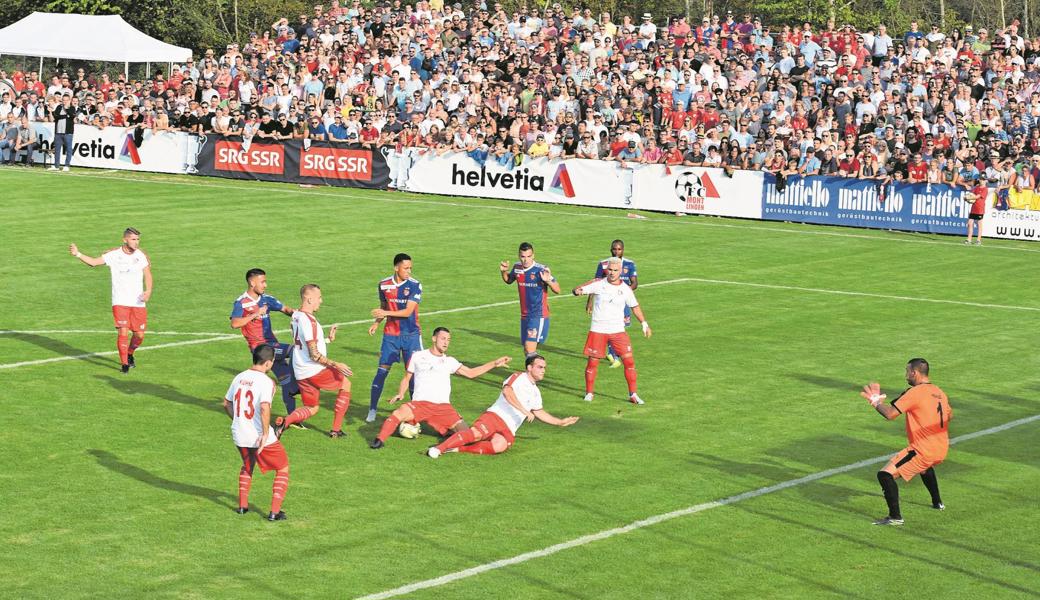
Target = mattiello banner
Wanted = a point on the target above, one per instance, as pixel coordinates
(293, 161)
(574, 181)
(116, 148)
(698, 190)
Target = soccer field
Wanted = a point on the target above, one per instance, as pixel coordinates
(123, 485)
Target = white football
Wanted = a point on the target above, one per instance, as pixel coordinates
(409, 431)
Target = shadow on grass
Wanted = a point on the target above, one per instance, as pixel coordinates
(113, 463)
(63, 349)
(829, 383)
(132, 387)
(514, 340)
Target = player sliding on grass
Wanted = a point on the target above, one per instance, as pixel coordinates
(432, 370)
(314, 370)
(131, 289)
(928, 415)
(248, 403)
(493, 432)
(612, 298)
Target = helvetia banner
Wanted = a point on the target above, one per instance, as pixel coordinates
(119, 148)
(293, 161)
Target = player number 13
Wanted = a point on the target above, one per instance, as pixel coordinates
(249, 411)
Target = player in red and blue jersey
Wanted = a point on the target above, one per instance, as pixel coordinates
(533, 281)
(399, 298)
(251, 314)
(628, 277)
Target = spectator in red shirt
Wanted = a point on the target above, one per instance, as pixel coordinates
(917, 170)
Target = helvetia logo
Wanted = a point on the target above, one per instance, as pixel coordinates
(692, 189)
(519, 179)
(129, 151)
(561, 182)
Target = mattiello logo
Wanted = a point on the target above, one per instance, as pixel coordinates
(129, 151)
(514, 180)
(692, 189)
(561, 182)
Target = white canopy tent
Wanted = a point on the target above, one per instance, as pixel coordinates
(86, 37)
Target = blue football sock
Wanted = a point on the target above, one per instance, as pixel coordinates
(283, 371)
(377, 387)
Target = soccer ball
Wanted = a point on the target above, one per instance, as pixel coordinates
(409, 431)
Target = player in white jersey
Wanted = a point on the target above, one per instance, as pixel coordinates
(131, 289)
(431, 399)
(248, 403)
(612, 296)
(314, 370)
(495, 430)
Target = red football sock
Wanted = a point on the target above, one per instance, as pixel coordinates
(389, 425)
(135, 341)
(281, 483)
(483, 447)
(590, 374)
(459, 439)
(630, 373)
(123, 343)
(300, 414)
(245, 479)
(340, 411)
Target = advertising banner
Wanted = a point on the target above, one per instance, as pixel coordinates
(572, 181)
(929, 208)
(698, 190)
(293, 161)
(116, 148)
(1011, 224)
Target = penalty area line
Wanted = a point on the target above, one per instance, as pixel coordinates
(661, 518)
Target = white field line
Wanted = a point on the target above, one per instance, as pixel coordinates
(231, 336)
(423, 199)
(112, 330)
(661, 518)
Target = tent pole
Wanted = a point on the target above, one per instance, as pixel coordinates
(147, 70)
(40, 74)
(126, 70)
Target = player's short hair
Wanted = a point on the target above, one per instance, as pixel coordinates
(919, 365)
(440, 329)
(130, 231)
(251, 273)
(400, 258)
(613, 260)
(531, 358)
(262, 354)
(622, 242)
(524, 246)
(308, 287)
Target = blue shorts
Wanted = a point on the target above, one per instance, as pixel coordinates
(534, 329)
(396, 346)
(281, 351)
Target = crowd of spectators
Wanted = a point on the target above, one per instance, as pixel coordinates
(728, 91)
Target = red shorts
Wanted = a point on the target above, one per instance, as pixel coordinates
(596, 344)
(490, 423)
(439, 416)
(327, 379)
(133, 317)
(908, 462)
(272, 458)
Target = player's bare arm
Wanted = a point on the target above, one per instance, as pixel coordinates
(265, 420)
(474, 372)
(510, 396)
(90, 261)
(580, 291)
(638, 312)
(240, 322)
(872, 393)
(405, 312)
(374, 326)
(634, 283)
(401, 389)
(228, 409)
(547, 277)
(321, 359)
(332, 333)
(504, 267)
(545, 417)
(147, 293)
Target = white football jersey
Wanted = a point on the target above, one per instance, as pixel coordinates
(248, 391)
(608, 308)
(304, 329)
(127, 275)
(432, 376)
(527, 393)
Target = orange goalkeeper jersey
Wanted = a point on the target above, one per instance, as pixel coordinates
(928, 414)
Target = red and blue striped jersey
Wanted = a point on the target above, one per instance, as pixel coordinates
(628, 270)
(534, 293)
(396, 296)
(259, 331)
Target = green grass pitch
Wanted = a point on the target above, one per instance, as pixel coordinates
(123, 486)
